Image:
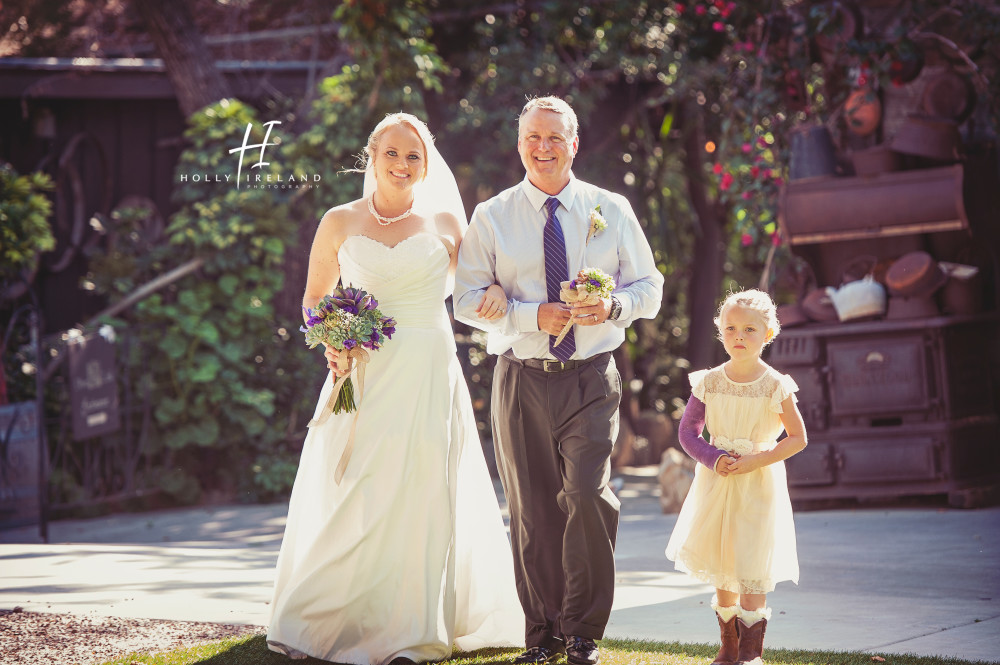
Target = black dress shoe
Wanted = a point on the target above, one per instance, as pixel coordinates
(537, 655)
(400, 660)
(582, 651)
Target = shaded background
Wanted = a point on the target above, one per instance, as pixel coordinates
(689, 109)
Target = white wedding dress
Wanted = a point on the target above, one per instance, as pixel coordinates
(408, 555)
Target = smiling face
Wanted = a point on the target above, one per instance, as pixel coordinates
(547, 147)
(744, 332)
(400, 159)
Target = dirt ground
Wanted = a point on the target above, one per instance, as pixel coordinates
(67, 639)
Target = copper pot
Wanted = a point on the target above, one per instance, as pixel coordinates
(901, 307)
(928, 136)
(915, 275)
(949, 95)
(875, 160)
(863, 111)
(818, 306)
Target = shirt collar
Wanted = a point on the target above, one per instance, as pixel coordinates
(537, 197)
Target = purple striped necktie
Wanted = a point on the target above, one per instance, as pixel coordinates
(556, 272)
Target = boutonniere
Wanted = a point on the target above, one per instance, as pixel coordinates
(597, 223)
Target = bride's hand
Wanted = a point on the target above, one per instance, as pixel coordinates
(494, 303)
(337, 361)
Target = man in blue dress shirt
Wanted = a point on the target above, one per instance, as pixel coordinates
(555, 408)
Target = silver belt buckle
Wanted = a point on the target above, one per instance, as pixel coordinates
(553, 366)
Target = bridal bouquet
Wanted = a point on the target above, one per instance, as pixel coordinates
(590, 285)
(348, 320)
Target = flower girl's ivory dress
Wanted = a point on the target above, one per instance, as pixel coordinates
(736, 532)
(408, 554)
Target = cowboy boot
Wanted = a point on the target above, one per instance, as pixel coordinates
(752, 624)
(728, 623)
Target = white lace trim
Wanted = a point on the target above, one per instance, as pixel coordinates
(771, 385)
(690, 564)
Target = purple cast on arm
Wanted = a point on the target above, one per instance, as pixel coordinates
(689, 433)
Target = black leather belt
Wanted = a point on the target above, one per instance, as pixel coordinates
(554, 365)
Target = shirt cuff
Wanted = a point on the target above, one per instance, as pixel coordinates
(526, 317)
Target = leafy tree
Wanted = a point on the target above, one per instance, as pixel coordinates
(25, 231)
(223, 369)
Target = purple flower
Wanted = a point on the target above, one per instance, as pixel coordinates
(596, 282)
(313, 320)
(349, 344)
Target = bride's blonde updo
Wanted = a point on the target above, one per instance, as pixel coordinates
(391, 119)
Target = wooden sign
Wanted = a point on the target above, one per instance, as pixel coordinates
(93, 387)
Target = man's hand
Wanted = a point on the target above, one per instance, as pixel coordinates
(552, 317)
(592, 315)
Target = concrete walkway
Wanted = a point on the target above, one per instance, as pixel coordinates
(924, 581)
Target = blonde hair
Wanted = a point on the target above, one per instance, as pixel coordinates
(391, 120)
(754, 300)
(554, 104)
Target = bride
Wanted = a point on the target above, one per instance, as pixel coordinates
(407, 555)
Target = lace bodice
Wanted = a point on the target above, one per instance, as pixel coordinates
(748, 411)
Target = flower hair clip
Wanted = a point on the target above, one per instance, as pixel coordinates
(597, 223)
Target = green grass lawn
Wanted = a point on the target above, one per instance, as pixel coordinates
(253, 651)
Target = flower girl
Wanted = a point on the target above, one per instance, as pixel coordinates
(735, 528)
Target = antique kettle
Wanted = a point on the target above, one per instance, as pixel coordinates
(859, 299)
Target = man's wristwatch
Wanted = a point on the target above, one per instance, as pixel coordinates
(616, 309)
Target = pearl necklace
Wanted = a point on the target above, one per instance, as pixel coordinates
(385, 221)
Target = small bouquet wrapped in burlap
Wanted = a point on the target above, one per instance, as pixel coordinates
(589, 287)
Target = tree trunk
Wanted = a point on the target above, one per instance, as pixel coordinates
(190, 65)
(709, 249)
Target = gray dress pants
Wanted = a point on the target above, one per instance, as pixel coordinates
(553, 433)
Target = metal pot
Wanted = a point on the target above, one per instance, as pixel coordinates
(928, 136)
(811, 152)
(857, 300)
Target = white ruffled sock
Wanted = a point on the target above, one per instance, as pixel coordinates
(750, 617)
(725, 613)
